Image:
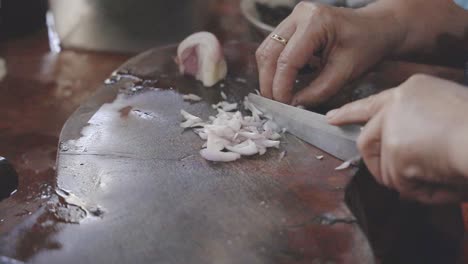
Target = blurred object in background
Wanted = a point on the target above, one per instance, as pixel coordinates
(125, 25)
(462, 3)
(21, 17)
(265, 15)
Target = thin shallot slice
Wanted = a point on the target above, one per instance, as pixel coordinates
(191, 97)
(246, 148)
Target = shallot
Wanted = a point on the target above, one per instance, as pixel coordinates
(216, 155)
(228, 107)
(191, 97)
(348, 163)
(223, 95)
(230, 135)
(201, 56)
(344, 166)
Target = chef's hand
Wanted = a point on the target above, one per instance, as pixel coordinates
(416, 138)
(347, 42)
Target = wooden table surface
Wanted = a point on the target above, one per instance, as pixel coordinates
(42, 89)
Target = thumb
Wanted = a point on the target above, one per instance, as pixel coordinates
(360, 111)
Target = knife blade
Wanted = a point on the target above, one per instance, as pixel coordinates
(311, 127)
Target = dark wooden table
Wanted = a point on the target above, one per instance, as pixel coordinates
(43, 89)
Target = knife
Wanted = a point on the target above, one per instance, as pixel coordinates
(311, 127)
(8, 179)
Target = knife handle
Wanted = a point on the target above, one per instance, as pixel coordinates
(8, 179)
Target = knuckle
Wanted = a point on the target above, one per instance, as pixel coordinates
(319, 11)
(323, 94)
(304, 5)
(310, 10)
(417, 78)
(283, 62)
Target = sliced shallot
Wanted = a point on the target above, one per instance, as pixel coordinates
(191, 97)
(230, 135)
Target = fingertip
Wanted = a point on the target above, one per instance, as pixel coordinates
(331, 114)
(333, 117)
(308, 99)
(284, 98)
(303, 99)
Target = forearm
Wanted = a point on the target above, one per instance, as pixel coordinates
(428, 28)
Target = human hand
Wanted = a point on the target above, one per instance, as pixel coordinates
(416, 138)
(347, 41)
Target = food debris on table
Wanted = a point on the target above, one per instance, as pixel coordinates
(191, 97)
(191, 120)
(201, 55)
(231, 135)
(319, 157)
(223, 95)
(282, 155)
(3, 69)
(353, 161)
(241, 80)
(225, 106)
(345, 165)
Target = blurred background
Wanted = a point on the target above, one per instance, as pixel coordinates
(136, 25)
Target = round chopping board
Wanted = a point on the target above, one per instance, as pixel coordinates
(132, 187)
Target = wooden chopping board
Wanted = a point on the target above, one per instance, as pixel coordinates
(132, 188)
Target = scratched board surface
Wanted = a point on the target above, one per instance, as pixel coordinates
(132, 187)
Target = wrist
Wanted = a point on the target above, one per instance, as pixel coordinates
(421, 24)
(388, 22)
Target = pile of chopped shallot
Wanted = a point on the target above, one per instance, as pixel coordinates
(230, 135)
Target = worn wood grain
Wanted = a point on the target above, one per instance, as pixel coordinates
(139, 192)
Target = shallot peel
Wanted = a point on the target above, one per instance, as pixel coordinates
(190, 120)
(201, 55)
(191, 97)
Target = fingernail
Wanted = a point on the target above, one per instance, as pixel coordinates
(332, 113)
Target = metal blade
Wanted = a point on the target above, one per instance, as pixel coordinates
(311, 127)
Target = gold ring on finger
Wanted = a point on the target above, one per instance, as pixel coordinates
(280, 39)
